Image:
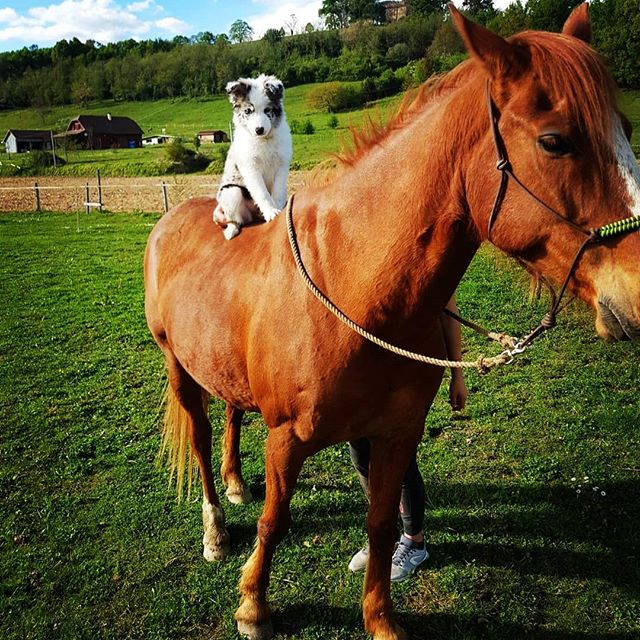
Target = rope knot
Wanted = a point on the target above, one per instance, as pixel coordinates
(503, 165)
(548, 321)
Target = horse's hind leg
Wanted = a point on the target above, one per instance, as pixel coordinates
(231, 469)
(188, 401)
(284, 456)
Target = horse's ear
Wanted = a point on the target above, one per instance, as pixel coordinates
(498, 56)
(577, 24)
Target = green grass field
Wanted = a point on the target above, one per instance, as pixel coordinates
(533, 495)
(186, 117)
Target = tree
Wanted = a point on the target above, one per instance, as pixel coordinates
(291, 24)
(335, 13)
(550, 15)
(273, 36)
(240, 31)
(425, 7)
(475, 7)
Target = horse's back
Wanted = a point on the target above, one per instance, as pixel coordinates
(204, 294)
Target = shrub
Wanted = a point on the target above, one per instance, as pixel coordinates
(218, 158)
(333, 122)
(335, 96)
(305, 127)
(184, 160)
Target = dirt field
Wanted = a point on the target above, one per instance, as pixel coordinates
(118, 194)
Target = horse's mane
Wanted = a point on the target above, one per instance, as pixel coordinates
(567, 67)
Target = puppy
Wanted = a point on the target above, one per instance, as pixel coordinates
(254, 182)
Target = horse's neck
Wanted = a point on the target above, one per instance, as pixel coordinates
(392, 237)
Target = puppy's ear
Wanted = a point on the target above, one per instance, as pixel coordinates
(237, 91)
(274, 89)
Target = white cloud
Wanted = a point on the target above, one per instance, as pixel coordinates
(172, 25)
(101, 20)
(136, 7)
(8, 15)
(277, 13)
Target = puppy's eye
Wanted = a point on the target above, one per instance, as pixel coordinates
(267, 111)
(555, 145)
(248, 111)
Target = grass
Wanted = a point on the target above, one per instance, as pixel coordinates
(183, 118)
(94, 545)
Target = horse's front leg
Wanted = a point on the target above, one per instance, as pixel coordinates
(231, 470)
(388, 464)
(284, 456)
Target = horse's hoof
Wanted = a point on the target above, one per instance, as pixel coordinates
(216, 554)
(238, 494)
(253, 631)
(395, 633)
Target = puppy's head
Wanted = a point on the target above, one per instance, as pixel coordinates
(257, 104)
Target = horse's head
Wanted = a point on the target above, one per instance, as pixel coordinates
(565, 139)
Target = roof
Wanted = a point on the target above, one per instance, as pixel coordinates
(29, 135)
(104, 124)
(209, 132)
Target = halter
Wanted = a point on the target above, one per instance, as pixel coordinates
(591, 236)
(514, 346)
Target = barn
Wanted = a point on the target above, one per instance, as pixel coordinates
(105, 132)
(21, 140)
(213, 136)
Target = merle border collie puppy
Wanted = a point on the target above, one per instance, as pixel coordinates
(254, 182)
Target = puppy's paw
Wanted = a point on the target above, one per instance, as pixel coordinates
(270, 213)
(231, 230)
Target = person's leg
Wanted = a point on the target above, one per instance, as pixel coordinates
(410, 551)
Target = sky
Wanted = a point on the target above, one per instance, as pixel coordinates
(44, 22)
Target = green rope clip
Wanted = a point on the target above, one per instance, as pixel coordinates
(619, 226)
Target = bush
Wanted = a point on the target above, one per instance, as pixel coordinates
(333, 122)
(33, 163)
(218, 158)
(305, 127)
(184, 160)
(335, 96)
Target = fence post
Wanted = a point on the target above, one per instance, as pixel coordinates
(165, 199)
(86, 197)
(99, 190)
(37, 190)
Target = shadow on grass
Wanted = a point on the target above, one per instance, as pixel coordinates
(292, 621)
(531, 529)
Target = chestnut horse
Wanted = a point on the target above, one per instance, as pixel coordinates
(388, 237)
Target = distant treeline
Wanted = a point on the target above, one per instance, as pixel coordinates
(389, 56)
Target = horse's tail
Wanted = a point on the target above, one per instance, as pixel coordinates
(176, 446)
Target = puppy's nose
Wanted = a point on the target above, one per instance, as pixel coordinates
(259, 130)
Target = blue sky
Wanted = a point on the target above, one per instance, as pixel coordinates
(44, 22)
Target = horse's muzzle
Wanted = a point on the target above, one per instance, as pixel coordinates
(614, 324)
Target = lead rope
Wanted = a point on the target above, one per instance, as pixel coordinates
(483, 364)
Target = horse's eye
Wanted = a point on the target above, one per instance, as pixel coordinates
(555, 145)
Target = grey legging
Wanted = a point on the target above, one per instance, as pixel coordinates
(412, 497)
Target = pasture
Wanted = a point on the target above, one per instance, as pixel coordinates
(533, 495)
(183, 117)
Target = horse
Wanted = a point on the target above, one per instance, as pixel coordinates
(387, 236)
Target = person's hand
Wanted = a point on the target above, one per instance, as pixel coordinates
(457, 391)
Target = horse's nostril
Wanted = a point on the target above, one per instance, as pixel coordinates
(259, 130)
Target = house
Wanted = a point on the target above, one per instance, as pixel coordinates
(20, 140)
(157, 139)
(394, 9)
(213, 136)
(105, 132)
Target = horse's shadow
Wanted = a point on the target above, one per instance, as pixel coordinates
(295, 619)
(539, 530)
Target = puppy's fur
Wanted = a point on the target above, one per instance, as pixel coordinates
(254, 182)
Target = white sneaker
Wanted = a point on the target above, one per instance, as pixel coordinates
(359, 561)
(406, 559)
